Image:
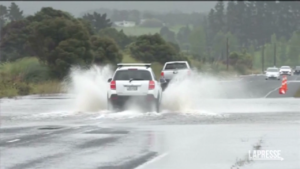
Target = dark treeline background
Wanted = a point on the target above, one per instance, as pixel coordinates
(248, 24)
(59, 40)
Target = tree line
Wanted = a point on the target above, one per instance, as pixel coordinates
(168, 18)
(248, 25)
(60, 40)
(254, 22)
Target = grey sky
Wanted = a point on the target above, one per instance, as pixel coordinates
(78, 7)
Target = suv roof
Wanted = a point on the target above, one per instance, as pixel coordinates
(177, 62)
(142, 66)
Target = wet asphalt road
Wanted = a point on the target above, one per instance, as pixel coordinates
(39, 133)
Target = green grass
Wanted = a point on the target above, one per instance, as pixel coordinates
(297, 93)
(138, 30)
(26, 76)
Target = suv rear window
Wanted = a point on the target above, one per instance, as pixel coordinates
(132, 74)
(170, 66)
(272, 70)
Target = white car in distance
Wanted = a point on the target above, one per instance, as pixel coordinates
(286, 70)
(272, 73)
(135, 83)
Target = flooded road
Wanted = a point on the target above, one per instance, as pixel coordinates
(52, 132)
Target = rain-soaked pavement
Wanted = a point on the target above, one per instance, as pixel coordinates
(43, 132)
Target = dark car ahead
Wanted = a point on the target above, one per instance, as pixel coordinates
(297, 70)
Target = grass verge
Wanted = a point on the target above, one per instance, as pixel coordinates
(297, 93)
(24, 77)
(20, 89)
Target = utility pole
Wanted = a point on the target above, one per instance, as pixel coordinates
(227, 54)
(263, 58)
(274, 54)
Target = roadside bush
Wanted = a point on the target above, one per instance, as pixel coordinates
(16, 77)
(25, 69)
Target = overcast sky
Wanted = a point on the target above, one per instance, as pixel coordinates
(78, 7)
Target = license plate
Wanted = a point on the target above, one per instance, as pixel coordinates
(132, 88)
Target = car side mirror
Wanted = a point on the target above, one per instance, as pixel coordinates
(109, 80)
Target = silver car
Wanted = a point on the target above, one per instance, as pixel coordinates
(286, 70)
(272, 73)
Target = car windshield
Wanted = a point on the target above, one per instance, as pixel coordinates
(272, 70)
(171, 66)
(132, 74)
(297, 67)
(285, 67)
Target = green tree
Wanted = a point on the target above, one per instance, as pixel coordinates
(15, 13)
(231, 16)
(294, 50)
(98, 21)
(119, 36)
(198, 41)
(241, 61)
(219, 46)
(167, 34)
(61, 43)
(282, 53)
(233, 42)
(14, 42)
(220, 16)
(183, 37)
(3, 16)
(105, 50)
(212, 22)
(153, 48)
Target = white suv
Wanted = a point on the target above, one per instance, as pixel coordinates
(134, 83)
(272, 73)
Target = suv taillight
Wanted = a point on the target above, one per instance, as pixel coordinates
(162, 74)
(113, 85)
(151, 85)
(189, 72)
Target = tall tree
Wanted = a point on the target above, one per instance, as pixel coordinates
(15, 13)
(3, 17)
(168, 35)
(183, 37)
(220, 16)
(198, 42)
(212, 22)
(231, 17)
(98, 21)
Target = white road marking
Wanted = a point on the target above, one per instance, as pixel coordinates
(11, 141)
(291, 81)
(152, 161)
(271, 92)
